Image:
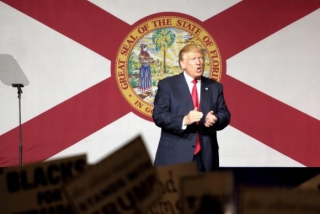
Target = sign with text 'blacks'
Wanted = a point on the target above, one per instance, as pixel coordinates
(124, 182)
(208, 193)
(36, 188)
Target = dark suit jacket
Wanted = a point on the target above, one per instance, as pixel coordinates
(172, 102)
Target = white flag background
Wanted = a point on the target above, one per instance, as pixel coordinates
(73, 105)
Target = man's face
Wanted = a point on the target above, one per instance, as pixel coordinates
(193, 64)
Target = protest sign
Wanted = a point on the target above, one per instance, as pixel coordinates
(266, 200)
(210, 192)
(313, 183)
(170, 183)
(36, 188)
(124, 182)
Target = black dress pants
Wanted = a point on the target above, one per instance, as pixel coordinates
(197, 158)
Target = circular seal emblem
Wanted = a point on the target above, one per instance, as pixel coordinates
(149, 53)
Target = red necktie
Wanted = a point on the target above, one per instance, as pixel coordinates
(195, 101)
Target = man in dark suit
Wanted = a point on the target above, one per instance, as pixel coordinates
(184, 122)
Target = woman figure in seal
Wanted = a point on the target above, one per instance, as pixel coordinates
(145, 83)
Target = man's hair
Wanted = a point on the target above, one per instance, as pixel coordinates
(191, 48)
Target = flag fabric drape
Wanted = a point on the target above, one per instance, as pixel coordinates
(67, 49)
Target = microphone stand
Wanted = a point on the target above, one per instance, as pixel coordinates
(19, 86)
(12, 75)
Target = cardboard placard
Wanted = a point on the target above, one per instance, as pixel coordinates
(253, 200)
(124, 182)
(170, 187)
(36, 188)
(210, 192)
(313, 183)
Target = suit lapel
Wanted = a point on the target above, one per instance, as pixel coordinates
(204, 95)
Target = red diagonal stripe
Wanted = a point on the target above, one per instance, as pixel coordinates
(65, 124)
(274, 123)
(80, 20)
(87, 112)
(250, 21)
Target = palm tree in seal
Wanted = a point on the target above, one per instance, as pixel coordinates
(163, 39)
